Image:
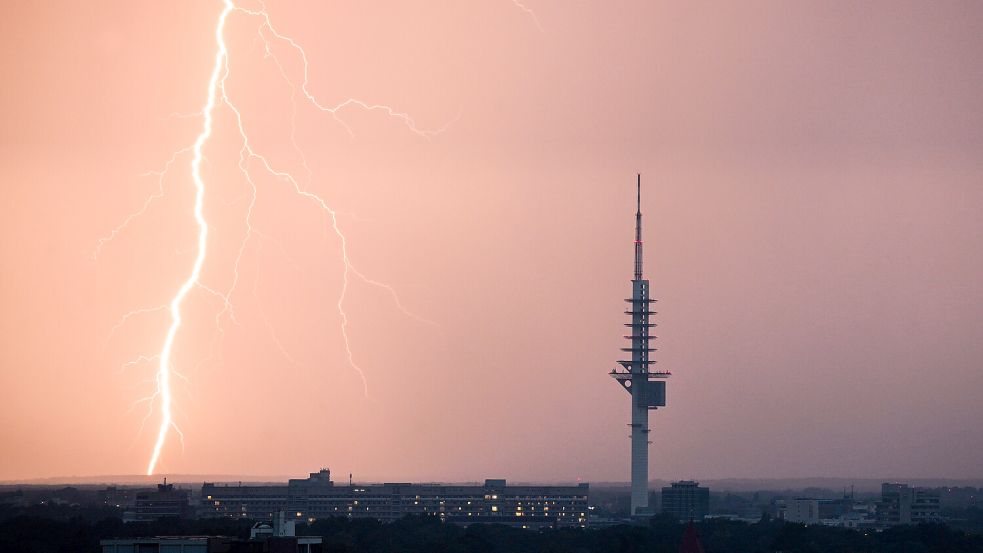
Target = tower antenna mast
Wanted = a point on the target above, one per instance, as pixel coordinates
(647, 388)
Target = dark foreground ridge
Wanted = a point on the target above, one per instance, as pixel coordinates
(58, 529)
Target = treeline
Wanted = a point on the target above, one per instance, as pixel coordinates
(59, 531)
(64, 529)
(661, 535)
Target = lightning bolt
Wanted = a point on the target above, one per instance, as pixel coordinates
(249, 158)
(160, 174)
(164, 363)
(531, 13)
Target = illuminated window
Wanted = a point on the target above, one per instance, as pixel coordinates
(494, 508)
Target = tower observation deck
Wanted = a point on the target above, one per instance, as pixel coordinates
(647, 387)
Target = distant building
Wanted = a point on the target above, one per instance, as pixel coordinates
(732, 517)
(858, 518)
(686, 500)
(318, 497)
(802, 510)
(844, 512)
(191, 544)
(902, 504)
(280, 526)
(120, 497)
(277, 536)
(166, 501)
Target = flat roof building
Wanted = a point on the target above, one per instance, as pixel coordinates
(317, 497)
(276, 536)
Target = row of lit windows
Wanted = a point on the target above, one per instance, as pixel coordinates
(267, 505)
(374, 501)
(525, 497)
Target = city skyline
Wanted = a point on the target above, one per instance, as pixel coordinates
(812, 200)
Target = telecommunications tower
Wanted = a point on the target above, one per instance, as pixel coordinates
(647, 387)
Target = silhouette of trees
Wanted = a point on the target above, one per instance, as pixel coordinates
(78, 530)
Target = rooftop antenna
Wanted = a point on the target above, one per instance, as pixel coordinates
(638, 231)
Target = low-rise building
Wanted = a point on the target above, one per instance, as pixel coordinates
(318, 497)
(844, 512)
(275, 536)
(213, 544)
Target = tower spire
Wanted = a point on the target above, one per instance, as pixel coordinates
(638, 232)
(647, 388)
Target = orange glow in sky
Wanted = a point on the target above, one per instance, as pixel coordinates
(418, 226)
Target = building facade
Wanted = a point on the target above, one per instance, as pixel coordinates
(165, 501)
(318, 497)
(902, 504)
(801, 510)
(686, 500)
(844, 512)
(120, 497)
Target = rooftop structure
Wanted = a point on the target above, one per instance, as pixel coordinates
(647, 387)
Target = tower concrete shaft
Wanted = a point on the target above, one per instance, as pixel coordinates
(647, 388)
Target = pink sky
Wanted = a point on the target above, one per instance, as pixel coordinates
(813, 200)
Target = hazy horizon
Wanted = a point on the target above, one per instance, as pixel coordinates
(812, 191)
(737, 485)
